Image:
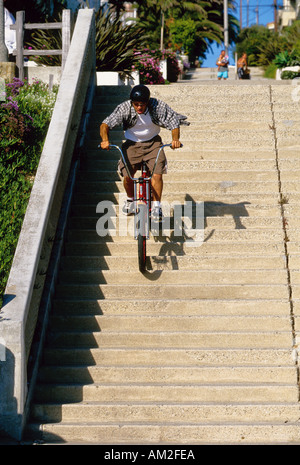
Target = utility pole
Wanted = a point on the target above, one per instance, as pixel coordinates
(241, 14)
(162, 30)
(3, 48)
(275, 15)
(247, 13)
(226, 41)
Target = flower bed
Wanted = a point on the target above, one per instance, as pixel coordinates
(148, 66)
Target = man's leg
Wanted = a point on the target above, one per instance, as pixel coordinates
(128, 186)
(128, 207)
(157, 186)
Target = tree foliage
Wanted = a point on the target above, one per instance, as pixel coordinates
(253, 41)
(203, 18)
(116, 44)
(37, 10)
(263, 46)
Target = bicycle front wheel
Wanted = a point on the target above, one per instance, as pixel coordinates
(141, 219)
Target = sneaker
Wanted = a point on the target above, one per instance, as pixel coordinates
(128, 207)
(157, 214)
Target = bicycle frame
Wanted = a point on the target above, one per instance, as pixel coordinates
(142, 192)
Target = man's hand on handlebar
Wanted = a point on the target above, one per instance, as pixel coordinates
(176, 144)
(105, 144)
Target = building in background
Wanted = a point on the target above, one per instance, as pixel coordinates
(290, 12)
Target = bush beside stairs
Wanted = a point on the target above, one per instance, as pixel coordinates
(202, 348)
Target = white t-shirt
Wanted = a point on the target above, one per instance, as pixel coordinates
(143, 130)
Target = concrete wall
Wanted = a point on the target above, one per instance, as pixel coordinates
(43, 73)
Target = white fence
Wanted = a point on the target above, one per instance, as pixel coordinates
(20, 26)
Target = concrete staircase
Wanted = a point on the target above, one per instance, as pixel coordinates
(202, 347)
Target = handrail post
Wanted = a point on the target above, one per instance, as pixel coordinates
(20, 20)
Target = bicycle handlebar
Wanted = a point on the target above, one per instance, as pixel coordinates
(126, 166)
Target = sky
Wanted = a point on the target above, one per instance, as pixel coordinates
(265, 15)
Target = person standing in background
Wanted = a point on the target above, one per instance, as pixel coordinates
(222, 63)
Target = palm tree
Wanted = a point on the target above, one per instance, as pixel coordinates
(207, 15)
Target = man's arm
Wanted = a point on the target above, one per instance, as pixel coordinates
(176, 144)
(104, 134)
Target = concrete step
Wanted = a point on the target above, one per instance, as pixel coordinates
(188, 166)
(162, 249)
(165, 243)
(210, 137)
(219, 135)
(155, 433)
(176, 339)
(167, 323)
(209, 222)
(225, 118)
(166, 357)
(212, 201)
(166, 393)
(227, 262)
(177, 291)
(204, 277)
(194, 188)
(213, 210)
(191, 176)
(148, 374)
(179, 307)
(198, 152)
(98, 412)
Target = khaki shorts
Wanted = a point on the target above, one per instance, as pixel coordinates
(136, 152)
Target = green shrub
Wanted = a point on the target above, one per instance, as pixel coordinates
(183, 34)
(270, 71)
(284, 59)
(289, 75)
(46, 40)
(24, 119)
(116, 43)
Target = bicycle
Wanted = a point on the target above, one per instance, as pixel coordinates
(142, 205)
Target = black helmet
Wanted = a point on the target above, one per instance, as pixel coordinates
(140, 93)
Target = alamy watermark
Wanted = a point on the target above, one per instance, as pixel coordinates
(296, 90)
(184, 220)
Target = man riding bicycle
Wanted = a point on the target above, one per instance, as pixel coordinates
(141, 118)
